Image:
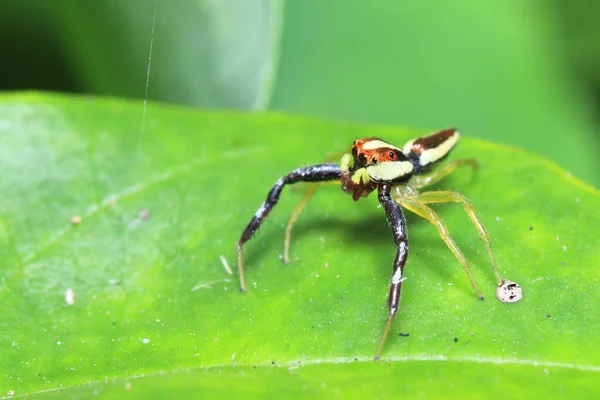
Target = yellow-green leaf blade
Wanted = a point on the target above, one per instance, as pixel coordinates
(159, 207)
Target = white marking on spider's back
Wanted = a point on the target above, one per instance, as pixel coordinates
(389, 170)
(377, 144)
(408, 146)
(432, 155)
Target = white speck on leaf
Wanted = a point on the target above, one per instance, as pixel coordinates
(145, 340)
(207, 285)
(144, 215)
(70, 297)
(225, 264)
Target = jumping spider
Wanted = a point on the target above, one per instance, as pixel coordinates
(397, 174)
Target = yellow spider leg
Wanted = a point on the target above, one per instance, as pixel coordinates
(422, 210)
(310, 191)
(447, 196)
(308, 194)
(241, 269)
(312, 188)
(419, 181)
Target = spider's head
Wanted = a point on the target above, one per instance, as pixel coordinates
(379, 162)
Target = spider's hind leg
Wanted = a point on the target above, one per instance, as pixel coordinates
(308, 194)
(448, 196)
(420, 181)
(417, 206)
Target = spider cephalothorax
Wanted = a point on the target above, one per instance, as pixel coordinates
(397, 175)
(373, 162)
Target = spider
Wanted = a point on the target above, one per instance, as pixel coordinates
(397, 174)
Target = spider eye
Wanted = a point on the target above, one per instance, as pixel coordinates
(373, 160)
(392, 155)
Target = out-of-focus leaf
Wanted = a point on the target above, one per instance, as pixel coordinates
(494, 69)
(205, 52)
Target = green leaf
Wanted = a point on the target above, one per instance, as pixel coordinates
(157, 314)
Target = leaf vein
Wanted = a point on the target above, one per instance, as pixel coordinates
(294, 365)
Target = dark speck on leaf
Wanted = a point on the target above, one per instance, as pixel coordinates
(455, 339)
(531, 228)
(272, 362)
(404, 334)
(548, 315)
(355, 359)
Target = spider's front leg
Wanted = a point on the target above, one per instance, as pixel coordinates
(397, 222)
(315, 173)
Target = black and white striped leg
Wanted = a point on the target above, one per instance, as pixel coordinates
(315, 173)
(397, 222)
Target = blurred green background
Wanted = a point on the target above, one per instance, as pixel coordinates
(524, 73)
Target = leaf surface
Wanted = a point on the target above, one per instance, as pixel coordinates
(156, 312)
